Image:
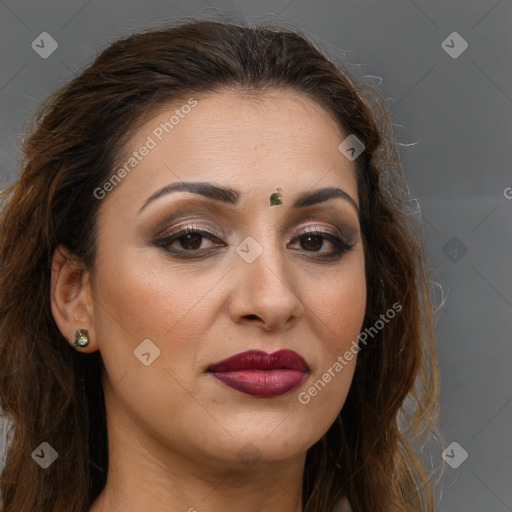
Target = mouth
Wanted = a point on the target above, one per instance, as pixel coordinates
(259, 374)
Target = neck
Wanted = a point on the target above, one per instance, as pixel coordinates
(137, 483)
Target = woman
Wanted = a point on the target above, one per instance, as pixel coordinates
(212, 293)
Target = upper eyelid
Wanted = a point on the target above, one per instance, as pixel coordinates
(338, 217)
(196, 223)
(207, 229)
(193, 227)
(319, 227)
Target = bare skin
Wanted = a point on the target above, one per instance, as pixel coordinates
(180, 440)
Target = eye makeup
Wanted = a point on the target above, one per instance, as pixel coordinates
(186, 241)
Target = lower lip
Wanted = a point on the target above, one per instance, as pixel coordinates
(262, 383)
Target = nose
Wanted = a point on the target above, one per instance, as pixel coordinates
(265, 291)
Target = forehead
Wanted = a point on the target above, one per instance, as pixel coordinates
(252, 142)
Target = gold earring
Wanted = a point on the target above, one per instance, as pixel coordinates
(81, 338)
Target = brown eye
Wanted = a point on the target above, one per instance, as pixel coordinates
(190, 241)
(187, 242)
(314, 240)
(187, 239)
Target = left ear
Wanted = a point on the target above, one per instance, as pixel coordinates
(71, 299)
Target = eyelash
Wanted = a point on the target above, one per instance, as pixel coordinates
(340, 244)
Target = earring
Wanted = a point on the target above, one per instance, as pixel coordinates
(81, 338)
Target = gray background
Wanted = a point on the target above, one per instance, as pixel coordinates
(452, 117)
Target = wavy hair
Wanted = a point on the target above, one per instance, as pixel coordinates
(53, 394)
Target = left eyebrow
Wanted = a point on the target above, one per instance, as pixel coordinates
(320, 195)
(231, 196)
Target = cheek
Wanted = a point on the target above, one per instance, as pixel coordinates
(339, 304)
(339, 309)
(137, 300)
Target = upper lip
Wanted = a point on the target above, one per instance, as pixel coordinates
(259, 360)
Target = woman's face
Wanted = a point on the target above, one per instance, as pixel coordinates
(166, 310)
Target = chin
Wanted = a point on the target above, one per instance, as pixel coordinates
(255, 446)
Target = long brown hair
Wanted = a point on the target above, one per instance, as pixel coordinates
(53, 394)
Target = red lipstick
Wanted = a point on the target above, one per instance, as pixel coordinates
(259, 374)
